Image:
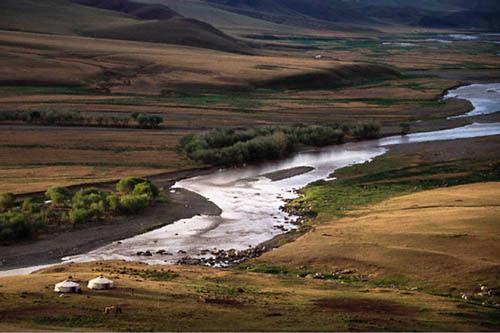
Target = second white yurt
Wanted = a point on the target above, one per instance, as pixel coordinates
(100, 283)
(67, 286)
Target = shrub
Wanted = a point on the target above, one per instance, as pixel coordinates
(86, 197)
(149, 121)
(15, 226)
(127, 185)
(229, 147)
(367, 131)
(131, 203)
(80, 215)
(146, 188)
(317, 135)
(7, 201)
(32, 205)
(113, 201)
(58, 195)
(405, 128)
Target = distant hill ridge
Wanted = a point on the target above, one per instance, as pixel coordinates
(138, 10)
(483, 14)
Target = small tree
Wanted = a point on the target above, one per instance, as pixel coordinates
(146, 188)
(132, 204)
(113, 202)
(405, 128)
(127, 185)
(367, 131)
(58, 195)
(7, 201)
(80, 215)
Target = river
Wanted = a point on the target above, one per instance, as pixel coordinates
(251, 202)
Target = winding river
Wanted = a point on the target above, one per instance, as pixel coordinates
(250, 201)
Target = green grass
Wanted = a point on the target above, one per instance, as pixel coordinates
(68, 320)
(386, 177)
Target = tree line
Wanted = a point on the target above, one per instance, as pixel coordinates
(74, 118)
(227, 147)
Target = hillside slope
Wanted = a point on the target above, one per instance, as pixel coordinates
(456, 13)
(57, 17)
(116, 20)
(141, 11)
(177, 30)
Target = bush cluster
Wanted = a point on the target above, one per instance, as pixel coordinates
(25, 220)
(229, 147)
(147, 121)
(366, 131)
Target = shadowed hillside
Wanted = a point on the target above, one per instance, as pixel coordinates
(475, 14)
(179, 30)
(340, 76)
(141, 11)
(114, 19)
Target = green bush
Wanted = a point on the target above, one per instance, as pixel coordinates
(127, 185)
(32, 205)
(16, 226)
(58, 195)
(132, 204)
(146, 188)
(318, 136)
(86, 197)
(80, 215)
(367, 131)
(7, 201)
(147, 121)
(405, 128)
(113, 201)
(229, 147)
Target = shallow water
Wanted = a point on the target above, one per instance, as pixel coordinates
(251, 203)
(485, 98)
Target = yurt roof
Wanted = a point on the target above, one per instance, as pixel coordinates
(101, 280)
(67, 284)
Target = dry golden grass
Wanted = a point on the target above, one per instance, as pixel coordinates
(34, 179)
(203, 299)
(147, 68)
(34, 159)
(444, 238)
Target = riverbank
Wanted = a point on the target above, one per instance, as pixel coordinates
(178, 205)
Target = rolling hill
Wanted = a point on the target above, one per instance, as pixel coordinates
(115, 19)
(138, 10)
(449, 14)
(179, 30)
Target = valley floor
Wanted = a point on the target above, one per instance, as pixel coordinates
(404, 255)
(178, 298)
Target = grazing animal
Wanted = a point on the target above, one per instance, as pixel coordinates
(113, 310)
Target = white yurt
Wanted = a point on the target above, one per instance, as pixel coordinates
(67, 286)
(100, 283)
